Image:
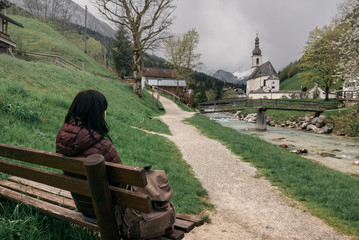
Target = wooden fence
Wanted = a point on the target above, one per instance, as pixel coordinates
(279, 104)
(58, 60)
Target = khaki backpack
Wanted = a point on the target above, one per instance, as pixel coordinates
(138, 225)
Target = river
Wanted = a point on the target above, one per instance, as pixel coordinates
(333, 151)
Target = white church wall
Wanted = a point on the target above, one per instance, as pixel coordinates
(254, 84)
(273, 85)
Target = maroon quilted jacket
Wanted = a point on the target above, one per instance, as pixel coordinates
(75, 141)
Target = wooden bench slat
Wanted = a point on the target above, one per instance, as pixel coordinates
(131, 199)
(48, 197)
(121, 196)
(43, 158)
(183, 225)
(175, 235)
(197, 221)
(46, 177)
(41, 186)
(117, 173)
(126, 175)
(48, 208)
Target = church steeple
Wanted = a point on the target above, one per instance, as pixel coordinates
(256, 55)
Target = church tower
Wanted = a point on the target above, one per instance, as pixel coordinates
(257, 55)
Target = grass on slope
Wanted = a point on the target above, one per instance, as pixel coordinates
(295, 82)
(34, 99)
(280, 115)
(37, 36)
(292, 83)
(328, 194)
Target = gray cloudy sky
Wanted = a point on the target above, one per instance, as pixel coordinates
(228, 28)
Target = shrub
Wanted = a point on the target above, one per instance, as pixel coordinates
(348, 121)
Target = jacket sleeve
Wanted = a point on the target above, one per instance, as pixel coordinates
(111, 155)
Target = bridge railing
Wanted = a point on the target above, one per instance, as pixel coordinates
(280, 104)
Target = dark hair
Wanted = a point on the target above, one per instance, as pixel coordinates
(88, 109)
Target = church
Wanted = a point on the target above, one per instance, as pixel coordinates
(264, 78)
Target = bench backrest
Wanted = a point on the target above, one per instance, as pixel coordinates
(103, 179)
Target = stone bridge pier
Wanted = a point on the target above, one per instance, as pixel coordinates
(261, 119)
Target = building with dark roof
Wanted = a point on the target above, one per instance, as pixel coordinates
(163, 78)
(264, 77)
(5, 42)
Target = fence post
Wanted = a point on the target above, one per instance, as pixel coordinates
(261, 123)
(83, 66)
(158, 98)
(57, 61)
(101, 197)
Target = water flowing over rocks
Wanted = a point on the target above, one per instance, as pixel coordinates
(310, 123)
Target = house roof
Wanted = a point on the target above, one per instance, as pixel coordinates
(3, 16)
(266, 69)
(160, 73)
(167, 83)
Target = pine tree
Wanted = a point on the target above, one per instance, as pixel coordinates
(122, 54)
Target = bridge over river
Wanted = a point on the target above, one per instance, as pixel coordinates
(261, 105)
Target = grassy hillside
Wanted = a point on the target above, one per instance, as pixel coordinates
(292, 83)
(34, 99)
(37, 36)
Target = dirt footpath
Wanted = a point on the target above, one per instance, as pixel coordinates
(246, 207)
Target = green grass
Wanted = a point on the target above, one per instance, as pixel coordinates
(183, 106)
(292, 83)
(34, 99)
(37, 36)
(279, 115)
(22, 223)
(328, 194)
(295, 82)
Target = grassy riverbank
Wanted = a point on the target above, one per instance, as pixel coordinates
(328, 194)
(34, 99)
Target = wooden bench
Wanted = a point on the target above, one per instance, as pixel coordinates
(49, 191)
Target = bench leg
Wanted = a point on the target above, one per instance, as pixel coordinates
(101, 197)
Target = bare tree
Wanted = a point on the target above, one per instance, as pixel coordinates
(54, 6)
(148, 22)
(65, 12)
(60, 10)
(34, 7)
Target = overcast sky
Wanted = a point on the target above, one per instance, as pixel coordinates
(228, 28)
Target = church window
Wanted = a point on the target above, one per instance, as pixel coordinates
(257, 61)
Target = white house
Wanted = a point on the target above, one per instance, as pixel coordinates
(317, 93)
(351, 88)
(166, 79)
(264, 77)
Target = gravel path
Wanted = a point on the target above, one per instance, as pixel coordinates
(246, 207)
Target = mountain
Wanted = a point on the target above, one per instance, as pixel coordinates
(236, 77)
(242, 76)
(78, 17)
(225, 76)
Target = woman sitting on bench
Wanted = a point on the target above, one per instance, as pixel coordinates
(84, 133)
